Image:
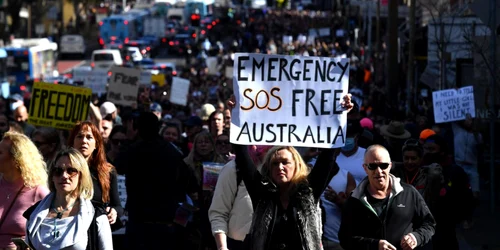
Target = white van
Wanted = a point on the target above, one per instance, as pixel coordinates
(72, 44)
(106, 58)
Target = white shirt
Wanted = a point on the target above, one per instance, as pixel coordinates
(333, 213)
(353, 164)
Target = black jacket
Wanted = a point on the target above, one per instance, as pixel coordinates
(361, 227)
(303, 207)
(156, 178)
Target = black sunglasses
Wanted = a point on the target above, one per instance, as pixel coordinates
(381, 165)
(59, 171)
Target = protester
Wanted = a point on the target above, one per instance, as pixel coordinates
(382, 212)
(454, 202)
(4, 125)
(21, 117)
(332, 200)
(351, 155)
(48, 141)
(85, 138)
(116, 139)
(192, 126)
(231, 210)
(109, 111)
(287, 188)
(227, 119)
(106, 126)
(216, 123)
(223, 147)
(425, 134)
(66, 218)
(162, 176)
(395, 135)
(23, 182)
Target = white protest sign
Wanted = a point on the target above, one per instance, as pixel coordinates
(145, 77)
(211, 65)
(289, 100)
(122, 190)
(302, 39)
(287, 39)
(96, 80)
(324, 32)
(453, 104)
(179, 91)
(124, 86)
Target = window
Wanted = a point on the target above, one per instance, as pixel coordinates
(17, 63)
(103, 57)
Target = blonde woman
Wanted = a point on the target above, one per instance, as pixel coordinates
(23, 182)
(286, 196)
(65, 218)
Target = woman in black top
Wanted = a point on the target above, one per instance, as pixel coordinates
(85, 138)
(286, 196)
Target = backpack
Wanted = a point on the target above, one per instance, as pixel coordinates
(92, 231)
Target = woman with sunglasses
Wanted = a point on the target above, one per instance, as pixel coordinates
(65, 218)
(85, 138)
(23, 182)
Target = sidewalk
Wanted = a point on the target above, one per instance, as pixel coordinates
(485, 233)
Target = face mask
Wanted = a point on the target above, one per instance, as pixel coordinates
(15, 105)
(349, 145)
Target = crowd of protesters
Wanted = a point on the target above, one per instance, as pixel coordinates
(266, 197)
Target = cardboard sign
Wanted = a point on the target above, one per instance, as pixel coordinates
(58, 106)
(453, 104)
(124, 86)
(289, 100)
(96, 80)
(179, 91)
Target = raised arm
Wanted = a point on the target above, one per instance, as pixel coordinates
(323, 171)
(247, 171)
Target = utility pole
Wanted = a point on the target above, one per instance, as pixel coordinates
(410, 88)
(493, 18)
(377, 36)
(442, 51)
(392, 55)
(29, 21)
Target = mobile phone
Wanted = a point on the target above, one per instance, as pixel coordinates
(20, 243)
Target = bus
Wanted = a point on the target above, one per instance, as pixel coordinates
(138, 17)
(203, 8)
(117, 29)
(31, 59)
(5, 88)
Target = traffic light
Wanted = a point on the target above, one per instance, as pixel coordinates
(195, 20)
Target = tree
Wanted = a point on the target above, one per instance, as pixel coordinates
(13, 9)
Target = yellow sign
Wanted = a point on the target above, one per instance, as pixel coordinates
(160, 79)
(58, 106)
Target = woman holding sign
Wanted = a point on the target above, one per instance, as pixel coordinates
(286, 196)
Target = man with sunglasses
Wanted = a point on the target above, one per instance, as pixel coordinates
(383, 212)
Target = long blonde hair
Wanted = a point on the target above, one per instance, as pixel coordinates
(27, 159)
(85, 187)
(301, 168)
